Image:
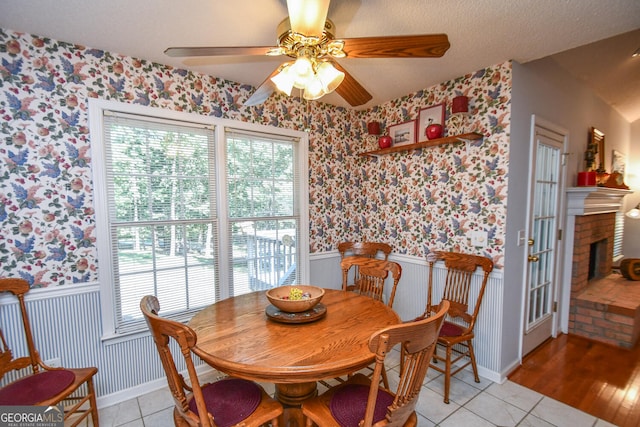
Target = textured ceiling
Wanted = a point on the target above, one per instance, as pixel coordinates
(607, 67)
(481, 33)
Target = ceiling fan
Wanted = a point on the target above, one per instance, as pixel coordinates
(307, 36)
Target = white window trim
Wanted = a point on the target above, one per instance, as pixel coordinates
(105, 278)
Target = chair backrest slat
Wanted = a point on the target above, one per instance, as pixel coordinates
(373, 273)
(363, 249)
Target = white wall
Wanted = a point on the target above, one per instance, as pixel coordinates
(546, 90)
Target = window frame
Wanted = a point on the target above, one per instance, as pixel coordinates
(103, 240)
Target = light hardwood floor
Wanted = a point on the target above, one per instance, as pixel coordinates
(599, 379)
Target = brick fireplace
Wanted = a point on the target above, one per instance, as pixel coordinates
(594, 311)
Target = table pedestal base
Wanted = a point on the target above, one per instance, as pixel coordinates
(291, 396)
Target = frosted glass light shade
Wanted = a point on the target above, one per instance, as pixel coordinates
(284, 80)
(314, 89)
(329, 76)
(307, 17)
(316, 81)
(302, 72)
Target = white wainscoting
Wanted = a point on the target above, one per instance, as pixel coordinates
(411, 297)
(67, 326)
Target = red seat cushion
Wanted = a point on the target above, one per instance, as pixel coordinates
(36, 388)
(451, 330)
(349, 404)
(230, 400)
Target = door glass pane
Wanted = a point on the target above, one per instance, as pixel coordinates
(544, 228)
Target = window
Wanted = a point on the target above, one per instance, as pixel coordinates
(191, 220)
(264, 219)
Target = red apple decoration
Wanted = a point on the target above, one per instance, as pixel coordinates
(385, 141)
(434, 131)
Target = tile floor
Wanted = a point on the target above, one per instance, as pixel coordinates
(484, 404)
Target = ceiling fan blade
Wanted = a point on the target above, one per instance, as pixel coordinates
(350, 90)
(307, 17)
(217, 51)
(416, 46)
(266, 88)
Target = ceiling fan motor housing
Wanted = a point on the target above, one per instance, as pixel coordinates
(294, 44)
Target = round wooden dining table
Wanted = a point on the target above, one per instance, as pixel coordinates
(236, 337)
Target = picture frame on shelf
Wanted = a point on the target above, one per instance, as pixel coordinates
(403, 133)
(436, 113)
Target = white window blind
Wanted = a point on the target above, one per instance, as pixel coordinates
(193, 211)
(618, 236)
(161, 194)
(263, 210)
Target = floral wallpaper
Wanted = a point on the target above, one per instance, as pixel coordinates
(418, 201)
(422, 200)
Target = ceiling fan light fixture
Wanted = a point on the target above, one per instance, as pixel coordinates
(315, 79)
(308, 16)
(314, 89)
(284, 80)
(329, 76)
(301, 71)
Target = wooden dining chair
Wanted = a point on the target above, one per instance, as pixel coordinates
(456, 335)
(44, 385)
(362, 400)
(372, 275)
(224, 403)
(363, 249)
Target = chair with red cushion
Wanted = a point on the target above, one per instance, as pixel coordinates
(361, 401)
(457, 334)
(224, 403)
(44, 385)
(371, 275)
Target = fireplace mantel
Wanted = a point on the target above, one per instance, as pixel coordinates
(594, 200)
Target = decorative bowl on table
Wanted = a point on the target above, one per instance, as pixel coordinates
(295, 298)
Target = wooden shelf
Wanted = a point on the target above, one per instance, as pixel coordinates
(425, 144)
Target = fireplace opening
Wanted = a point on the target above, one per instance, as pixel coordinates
(597, 254)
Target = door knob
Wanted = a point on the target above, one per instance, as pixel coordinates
(533, 258)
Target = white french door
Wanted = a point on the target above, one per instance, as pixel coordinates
(544, 224)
